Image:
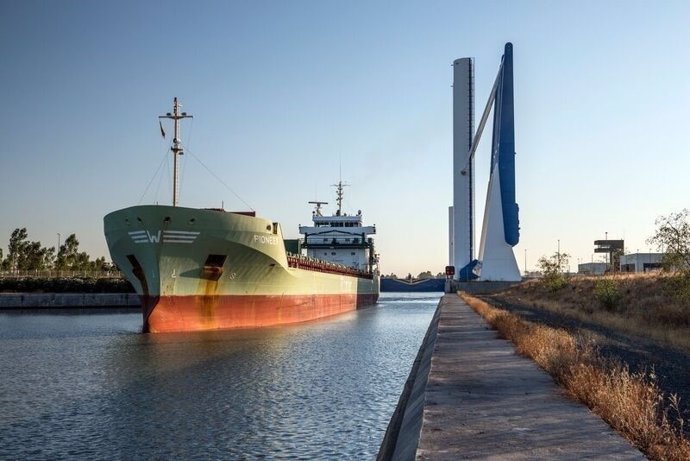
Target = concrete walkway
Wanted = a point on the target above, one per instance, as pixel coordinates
(483, 401)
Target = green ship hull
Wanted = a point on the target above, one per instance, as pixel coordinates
(201, 269)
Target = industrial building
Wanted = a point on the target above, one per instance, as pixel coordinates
(630, 263)
(593, 268)
(641, 262)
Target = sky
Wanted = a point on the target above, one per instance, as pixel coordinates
(289, 97)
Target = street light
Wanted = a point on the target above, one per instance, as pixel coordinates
(57, 252)
(606, 237)
(558, 255)
(525, 261)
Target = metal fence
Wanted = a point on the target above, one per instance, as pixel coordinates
(61, 274)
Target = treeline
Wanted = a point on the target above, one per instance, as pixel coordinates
(26, 255)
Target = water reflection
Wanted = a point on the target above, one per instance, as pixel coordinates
(92, 386)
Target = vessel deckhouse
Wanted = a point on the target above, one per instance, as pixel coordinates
(340, 238)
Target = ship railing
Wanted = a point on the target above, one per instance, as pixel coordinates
(319, 265)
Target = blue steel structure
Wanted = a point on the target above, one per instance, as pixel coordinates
(502, 154)
(504, 147)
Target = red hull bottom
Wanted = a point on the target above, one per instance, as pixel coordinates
(204, 312)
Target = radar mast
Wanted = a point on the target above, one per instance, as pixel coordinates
(177, 143)
(339, 195)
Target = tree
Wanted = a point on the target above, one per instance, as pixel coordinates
(552, 268)
(672, 237)
(101, 265)
(69, 257)
(25, 255)
(556, 264)
(36, 257)
(16, 248)
(425, 275)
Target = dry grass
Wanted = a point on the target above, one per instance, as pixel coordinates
(631, 403)
(650, 305)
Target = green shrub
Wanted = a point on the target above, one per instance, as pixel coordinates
(555, 281)
(553, 269)
(678, 287)
(607, 293)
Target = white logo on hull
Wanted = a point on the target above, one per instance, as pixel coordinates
(266, 239)
(166, 236)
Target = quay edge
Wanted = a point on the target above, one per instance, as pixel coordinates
(16, 301)
(473, 397)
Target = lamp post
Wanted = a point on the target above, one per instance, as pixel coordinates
(525, 261)
(558, 255)
(57, 250)
(606, 237)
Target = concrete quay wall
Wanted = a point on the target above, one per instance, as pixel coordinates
(402, 434)
(473, 397)
(15, 301)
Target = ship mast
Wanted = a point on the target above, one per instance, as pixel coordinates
(339, 195)
(177, 142)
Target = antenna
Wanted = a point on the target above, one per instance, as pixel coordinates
(177, 142)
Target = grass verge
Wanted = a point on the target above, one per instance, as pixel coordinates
(631, 403)
(655, 306)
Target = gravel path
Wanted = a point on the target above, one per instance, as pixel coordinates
(670, 366)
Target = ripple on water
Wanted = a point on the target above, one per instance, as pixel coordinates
(91, 386)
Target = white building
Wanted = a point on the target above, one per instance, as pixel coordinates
(641, 262)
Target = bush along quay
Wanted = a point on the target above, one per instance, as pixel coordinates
(630, 402)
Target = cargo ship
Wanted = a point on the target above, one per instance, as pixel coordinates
(205, 269)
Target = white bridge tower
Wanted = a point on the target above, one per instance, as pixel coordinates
(500, 226)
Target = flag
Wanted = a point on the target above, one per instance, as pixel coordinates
(162, 130)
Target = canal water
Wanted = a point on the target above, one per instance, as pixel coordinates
(91, 386)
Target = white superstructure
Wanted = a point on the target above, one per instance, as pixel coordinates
(340, 238)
